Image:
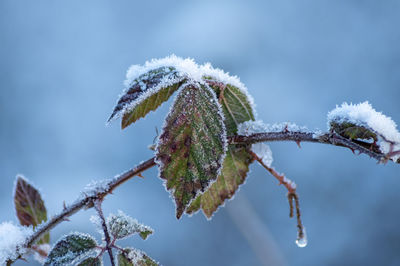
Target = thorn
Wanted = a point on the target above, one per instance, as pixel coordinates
(286, 130)
(66, 220)
(140, 175)
(64, 205)
(298, 144)
(352, 150)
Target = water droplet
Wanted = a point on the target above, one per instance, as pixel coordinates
(301, 241)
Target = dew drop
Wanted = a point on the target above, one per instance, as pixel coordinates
(301, 241)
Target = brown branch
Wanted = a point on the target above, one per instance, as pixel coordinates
(327, 138)
(88, 201)
(107, 238)
(292, 194)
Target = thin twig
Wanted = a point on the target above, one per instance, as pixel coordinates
(292, 194)
(328, 138)
(88, 201)
(107, 238)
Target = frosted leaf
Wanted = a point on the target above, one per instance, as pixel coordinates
(148, 86)
(187, 67)
(72, 249)
(233, 174)
(361, 121)
(301, 241)
(192, 145)
(263, 151)
(12, 239)
(122, 226)
(29, 206)
(92, 261)
(134, 257)
(251, 127)
(237, 91)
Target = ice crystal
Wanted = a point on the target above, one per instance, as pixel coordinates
(251, 127)
(12, 238)
(263, 151)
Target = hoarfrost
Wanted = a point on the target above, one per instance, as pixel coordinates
(122, 226)
(46, 249)
(224, 77)
(95, 219)
(251, 127)
(179, 69)
(291, 183)
(135, 256)
(12, 238)
(263, 151)
(96, 186)
(185, 66)
(363, 114)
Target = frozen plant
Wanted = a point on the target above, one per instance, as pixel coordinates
(209, 139)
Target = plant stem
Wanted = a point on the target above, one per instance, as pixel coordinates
(327, 138)
(88, 201)
(107, 238)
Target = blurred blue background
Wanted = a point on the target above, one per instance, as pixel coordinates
(61, 70)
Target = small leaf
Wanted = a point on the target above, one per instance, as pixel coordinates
(29, 206)
(234, 172)
(236, 106)
(72, 249)
(91, 262)
(122, 226)
(192, 144)
(134, 257)
(146, 93)
(352, 131)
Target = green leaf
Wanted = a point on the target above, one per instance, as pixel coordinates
(237, 109)
(234, 172)
(235, 105)
(29, 206)
(134, 257)
(192, 144)
(352, 131)
(146, 93)
(91, 262)
(121, 226)
(72, 249)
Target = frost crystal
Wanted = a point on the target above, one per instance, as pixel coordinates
(221, 76)
(95, 219)
(185, 66)
(46, 249)
(135, 256)
(95, 187)
(364, 115)
(122, 226)
(12, 238)
(301, 242)
(264, 152)
(250, 127)
(175, 70)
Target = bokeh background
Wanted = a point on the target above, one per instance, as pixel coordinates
(61, 70)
